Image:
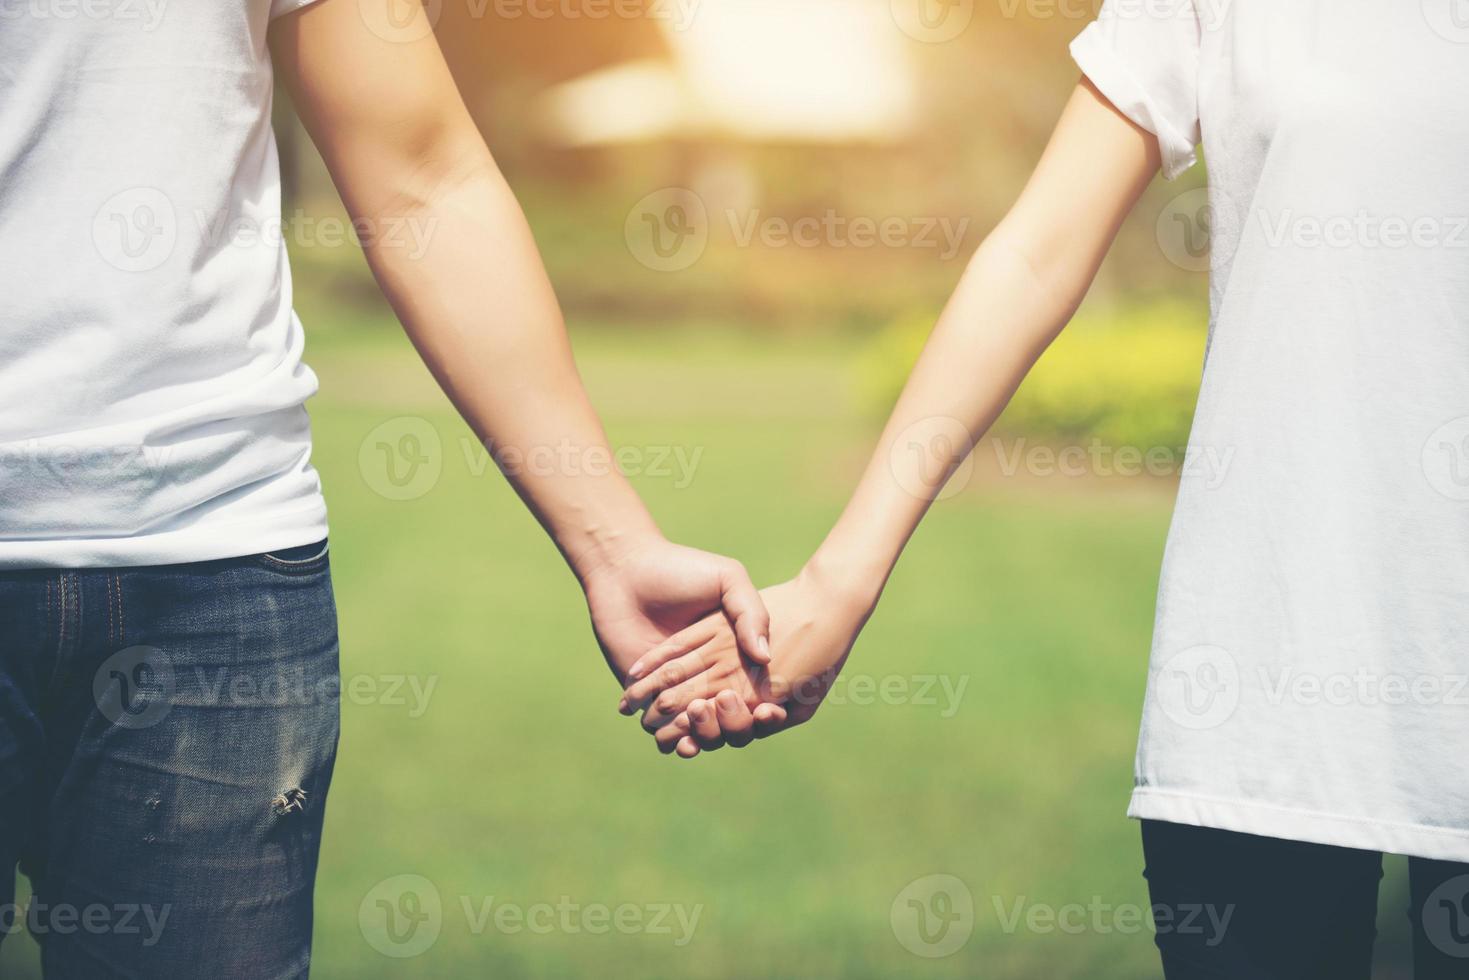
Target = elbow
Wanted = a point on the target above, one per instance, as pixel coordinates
(411, 169)
(1046, 270)
(434, 172)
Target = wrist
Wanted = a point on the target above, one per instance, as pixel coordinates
(855, 586)
(598, 544)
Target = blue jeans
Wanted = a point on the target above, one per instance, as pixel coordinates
(167, 737)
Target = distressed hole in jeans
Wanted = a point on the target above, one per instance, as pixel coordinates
(291, 801)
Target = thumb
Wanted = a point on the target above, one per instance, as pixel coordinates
(744, 607)
(771, 719)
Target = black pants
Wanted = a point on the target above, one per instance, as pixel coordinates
(1231, 906)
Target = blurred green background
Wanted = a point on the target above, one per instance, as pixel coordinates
(977, 759)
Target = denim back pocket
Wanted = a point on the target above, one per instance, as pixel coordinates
(302, 559)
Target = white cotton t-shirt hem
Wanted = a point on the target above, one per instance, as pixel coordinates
(261, 532)
(281, 7)
(1269, 820)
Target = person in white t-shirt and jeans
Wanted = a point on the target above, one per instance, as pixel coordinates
(160, 520)
(1306, 705)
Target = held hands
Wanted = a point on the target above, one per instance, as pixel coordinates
(653, 588)
(697, 693)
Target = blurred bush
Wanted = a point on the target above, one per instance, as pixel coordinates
(1127, 375)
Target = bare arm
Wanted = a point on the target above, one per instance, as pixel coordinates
(401, 147)
(1019, 291)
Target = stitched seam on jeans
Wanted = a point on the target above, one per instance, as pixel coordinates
(61, 619)
(111, 637)
(122, 623)
(112, 610)
(58, 661)
(50, 606)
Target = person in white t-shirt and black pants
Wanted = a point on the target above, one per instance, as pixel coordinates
(1305, 709)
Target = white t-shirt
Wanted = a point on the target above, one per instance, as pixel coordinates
(1310, 665)
(151, 384)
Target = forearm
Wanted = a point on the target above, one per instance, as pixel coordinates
(1018, 292)
(479, 307)
(993, 329)
(466, 281)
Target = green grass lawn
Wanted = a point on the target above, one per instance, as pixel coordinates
(519, 784)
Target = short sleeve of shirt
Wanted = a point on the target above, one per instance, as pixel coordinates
(1143, 55)
(278, 7)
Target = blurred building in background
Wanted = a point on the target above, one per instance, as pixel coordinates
(845, 156)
